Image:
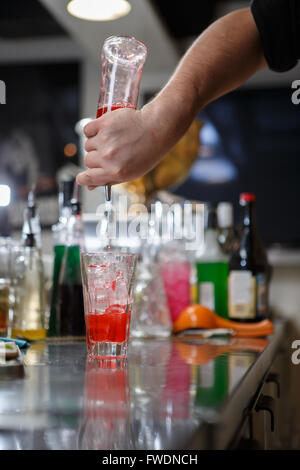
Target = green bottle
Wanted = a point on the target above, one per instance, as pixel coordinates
(70, 310)
(212, 268)
(59, 233)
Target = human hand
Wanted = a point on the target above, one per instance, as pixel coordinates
(121, 146)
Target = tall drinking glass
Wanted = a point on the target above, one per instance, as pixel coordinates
(107, 281)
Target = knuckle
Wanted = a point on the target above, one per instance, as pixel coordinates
(105, 137)
(91, 160)
(89, 180)
(91, 128)
(112, 153)
(87, 130)
(118, 171)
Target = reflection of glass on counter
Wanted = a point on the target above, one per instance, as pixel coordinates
(147, 366)
(212, 382)
(160, 385)
(4, 307)
(176, 394)
(106, 421)
(239, 363)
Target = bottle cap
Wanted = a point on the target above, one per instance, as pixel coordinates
(247, 197)
(225, 214)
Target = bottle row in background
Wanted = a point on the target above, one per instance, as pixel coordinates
(229, 275)
(233, 273)
(66, 308)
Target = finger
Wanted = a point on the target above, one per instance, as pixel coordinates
(94, 177)
(91, 188)
(91, 159)
(91, 129)
(90, 144)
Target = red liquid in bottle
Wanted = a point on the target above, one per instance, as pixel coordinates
(102, 110)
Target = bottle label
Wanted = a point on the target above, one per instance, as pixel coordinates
(241, 290)
(262, 294)
(207, 294)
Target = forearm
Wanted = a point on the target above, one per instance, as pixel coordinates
(221, 59)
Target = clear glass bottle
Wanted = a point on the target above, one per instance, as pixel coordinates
(30, 302)
(59, 234)
(70, 311)
(150, 315)
(226, 234)
(212, 268)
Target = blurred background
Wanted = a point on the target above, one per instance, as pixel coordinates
(248, 141)
(50, 62)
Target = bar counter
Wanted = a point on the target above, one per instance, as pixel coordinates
(172, 394)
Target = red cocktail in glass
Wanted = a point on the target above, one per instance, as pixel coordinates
(108, 280)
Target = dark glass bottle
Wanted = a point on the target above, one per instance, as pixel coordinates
(70, 311)
(59, 233)
(249, 272)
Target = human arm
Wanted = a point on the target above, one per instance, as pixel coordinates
(125, 144)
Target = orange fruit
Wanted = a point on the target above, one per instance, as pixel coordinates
(195, 316)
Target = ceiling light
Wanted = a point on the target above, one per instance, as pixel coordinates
(98, 10)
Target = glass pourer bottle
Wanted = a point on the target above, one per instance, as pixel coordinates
(123, 59)
(212, 268)
(31, 222)
(226, 233)
(30, 303)
(59, 233)
(249, 269)
(70, 311)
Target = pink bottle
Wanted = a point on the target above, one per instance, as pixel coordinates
(176, 277)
